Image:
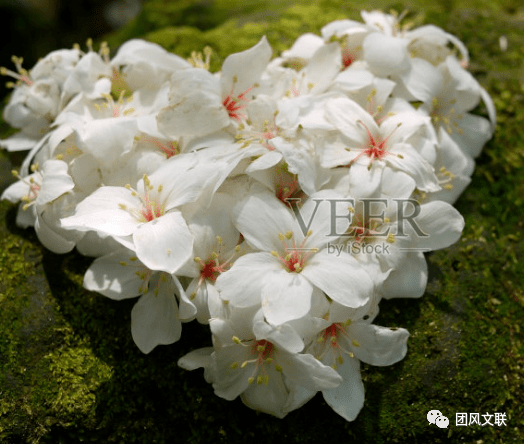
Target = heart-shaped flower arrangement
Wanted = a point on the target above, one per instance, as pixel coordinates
(276, 201)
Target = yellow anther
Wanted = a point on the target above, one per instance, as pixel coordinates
(244, 364)
(146, 180)
(237, 249)
(261, 348)
(355, 343)
(260, 379)
(320, 339)
(122, 206)
(340, 359)
(281, 236)
(289, 234)
(122, 263)
(219, 240)
(278, 368)
(348, 323)
(448, 186)
(14, 173)
(288, 257)
(133, 258)
(214, 255)
(400, 156)
(390, 238)
(236, 340)
(273, 253)
(234, 365)
(197, 259)
(380, 108)
(351, 354)
(269, 360)
(250, 380)
(235, 79)
(310, 85)
(333, 339)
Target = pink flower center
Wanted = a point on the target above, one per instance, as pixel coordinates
(211, 269)
(347, 57)
(261, 353)
(170, 148)
(374, 149)
(234, 104)
(151, 209)
(328, 340)
(294, 257)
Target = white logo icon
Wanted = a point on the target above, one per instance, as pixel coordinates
(436, 417)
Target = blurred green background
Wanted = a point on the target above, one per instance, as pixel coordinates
(69, 370)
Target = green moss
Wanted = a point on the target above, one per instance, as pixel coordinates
(70, 372)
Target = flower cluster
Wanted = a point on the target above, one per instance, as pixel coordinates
(277, 201)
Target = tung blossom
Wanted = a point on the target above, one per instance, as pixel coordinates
(290, 264)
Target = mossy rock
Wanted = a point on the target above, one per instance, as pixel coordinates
(70, 372)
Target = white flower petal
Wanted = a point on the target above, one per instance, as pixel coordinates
(378, 345)
(242, 283)
(164, 243)
(109, 277)
(260, 218)
(340, 277)
(348, 398)
(246, 67)
(154, 320)
(100, 212)
(285, 296)
(307, 371)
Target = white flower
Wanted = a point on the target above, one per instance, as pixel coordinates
(147, 220)
(155, 317)
(262, 372)
(368, 147)
(349, 339)
(292, 262)
(201, 103)
(44, 196)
